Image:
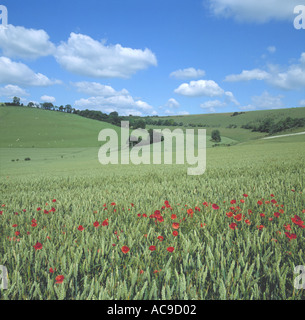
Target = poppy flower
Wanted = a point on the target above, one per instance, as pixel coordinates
(233, 225)
(54, 200)
(259, 203)
(15, 225)
(290, 235)
(160, 238)
(38, 246)
(141, 271)
(113, 203)
(245, 195)
(51, 270)
(273, 201)
(34, 224)
(247, 221)
(17, 233)
(242, 200)
(272, 195)
(125, 249)
(287, 227)
(260, 227)
(238, 217)
(233, 201)
(144, 215)
(59, 279)
(170, 249)
(276, 214)
(175, 233)
(262, 215)
(173, 216)
(96, 224)
(229, 214)
(80, 228)
(105, 223)
(190, 212)
(152, 248)
(175, 225)
(38, 209)
(215, 206)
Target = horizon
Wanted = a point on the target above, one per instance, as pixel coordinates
(152, 59)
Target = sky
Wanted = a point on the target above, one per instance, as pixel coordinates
(154, 57)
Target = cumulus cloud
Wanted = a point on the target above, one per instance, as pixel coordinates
(17, 73)
(208, 88)
(285, 78)
(188, 73)
(12, 91)
(265, 101)
(246, 75)
(47, 99)
(259, 11)
(212, 105)
(302, 103)
(85, 56)
(124, 104)
(172, 103)
(97, 89)
(25, 43)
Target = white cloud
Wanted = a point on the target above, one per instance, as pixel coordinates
(285, 78)
(265, 101)
(85, 56)
(188, 73)
(212, 104)
(18, 73)
(246, 75)
(25, 43)
(302, 103)
(208, 88)
(123, 104)
(183, 113)
(97, 89)
(230, 98)
(271, 49)
(172, 103)
(47, 99)
(12, 91)
(259, 11)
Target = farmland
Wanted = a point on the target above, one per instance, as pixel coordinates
(74, 229)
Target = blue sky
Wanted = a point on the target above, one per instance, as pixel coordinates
(154, 57)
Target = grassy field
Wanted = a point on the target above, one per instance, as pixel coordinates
(231, 233)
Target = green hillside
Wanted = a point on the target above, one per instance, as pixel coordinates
(36, 128)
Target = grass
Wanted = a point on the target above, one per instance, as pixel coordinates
(209, 261)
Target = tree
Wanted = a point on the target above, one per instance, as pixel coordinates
(216, 136)
(139, 124)
(16, 101)
(68, 108)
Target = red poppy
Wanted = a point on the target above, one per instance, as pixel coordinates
(215, 206)
(160, 238)
(260, 227)
(262, 215)
(238, 217)
(59, 279)
(54, 200)
(290, 235)
(233, 201)
(141, 271)
(273, 201)
(229, 214)
(38, 246)
(105, 223)
(190, 212)
(233, 225)
(271, 195)
(125, 249)
(96, 224)
(173, 216)
(34, 224)
(276, 214)
(144, 215)
(259, 203)
(152, 248)
(175, 233)
(170, 249)
(113, 203)
(175, 225)
(287, 227)
(38, 209)
(247, 221)
(51, 270)
(245, 195)
(15, 225)
(80, 228)
(17, 233)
